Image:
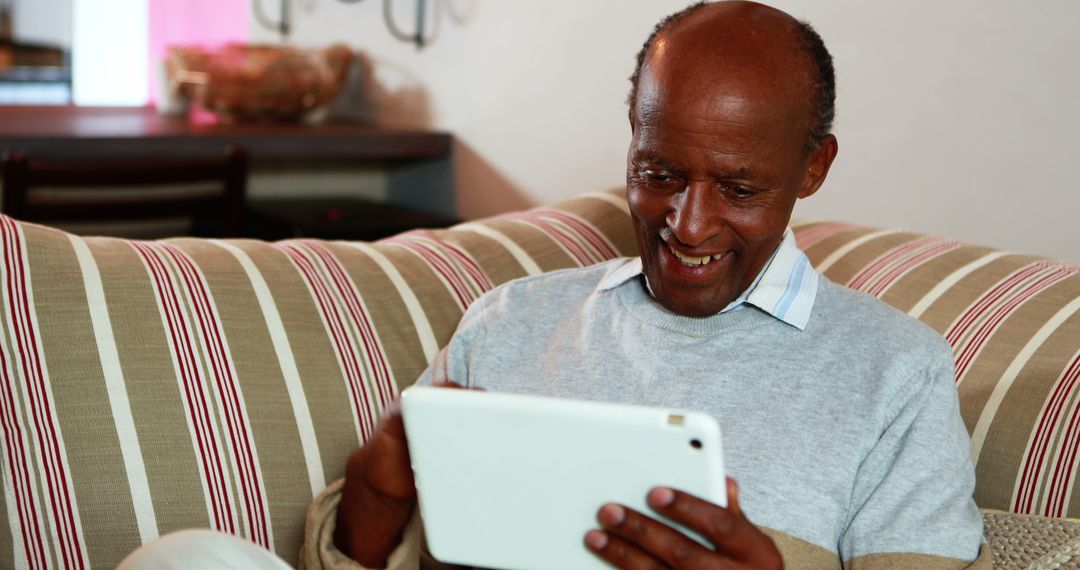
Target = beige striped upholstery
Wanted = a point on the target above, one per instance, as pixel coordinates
(152, 386)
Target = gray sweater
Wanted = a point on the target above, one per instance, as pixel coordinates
(845, 437)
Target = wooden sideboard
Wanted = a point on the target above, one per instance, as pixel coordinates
(417, 164)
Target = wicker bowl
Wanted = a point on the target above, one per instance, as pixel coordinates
(244, 83)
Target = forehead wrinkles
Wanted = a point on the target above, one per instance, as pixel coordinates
(718, 115)
(718, 93)
(722, 120)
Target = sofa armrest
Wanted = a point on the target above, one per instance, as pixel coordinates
(1031, 541)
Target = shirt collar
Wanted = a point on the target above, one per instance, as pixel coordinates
(785, 288)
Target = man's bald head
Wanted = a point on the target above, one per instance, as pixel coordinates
(734, 33)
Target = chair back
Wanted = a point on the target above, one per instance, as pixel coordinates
(60, 190)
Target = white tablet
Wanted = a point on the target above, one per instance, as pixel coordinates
(514, 482)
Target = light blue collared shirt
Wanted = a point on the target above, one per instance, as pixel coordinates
(785, 288)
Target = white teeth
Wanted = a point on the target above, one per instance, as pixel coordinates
(694, 261)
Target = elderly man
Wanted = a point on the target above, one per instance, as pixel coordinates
(840, 415)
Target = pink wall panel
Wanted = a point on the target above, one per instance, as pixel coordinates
(207, 22)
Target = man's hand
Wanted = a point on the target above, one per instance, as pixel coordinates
(379, 493)
(632, 540)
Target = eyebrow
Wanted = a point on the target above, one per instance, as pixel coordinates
(741, 173)
(654, 159)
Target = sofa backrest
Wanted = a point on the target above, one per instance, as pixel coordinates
(152, 386)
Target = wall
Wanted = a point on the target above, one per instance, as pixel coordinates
(954, 117)
(43, 21)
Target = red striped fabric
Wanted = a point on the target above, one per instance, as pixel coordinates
(957, 330)
(161, 359)
(15, 467)
(600, 243)
(346, 351)
(571, 237)
(1012, 294)
(876, 278)
(1065, 471)
(181, 339)
(228, 389)
(479, 277)
(17, 457)
(911, 263)
(807, 238)
(373, 349)
(581, 240)
(457, 270)
(1038, 450)
(45, 430)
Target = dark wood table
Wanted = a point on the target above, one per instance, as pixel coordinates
(417, 163)
(336, 218)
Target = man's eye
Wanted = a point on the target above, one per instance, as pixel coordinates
(658, 176)
(740, 191)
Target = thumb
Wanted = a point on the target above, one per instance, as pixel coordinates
(733, 497)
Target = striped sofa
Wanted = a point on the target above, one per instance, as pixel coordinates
(153, 386)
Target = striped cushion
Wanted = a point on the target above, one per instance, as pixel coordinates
(1014, 324)
(154, 386)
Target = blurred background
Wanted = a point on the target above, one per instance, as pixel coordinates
(956, 118)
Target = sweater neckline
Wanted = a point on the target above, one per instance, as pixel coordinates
(636, 300)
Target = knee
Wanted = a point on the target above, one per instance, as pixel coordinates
(200, 548)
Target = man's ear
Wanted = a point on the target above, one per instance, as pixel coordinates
(821, 159)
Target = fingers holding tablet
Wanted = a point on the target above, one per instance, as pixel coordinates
(385, 464)
(379, 494)
(633, 540)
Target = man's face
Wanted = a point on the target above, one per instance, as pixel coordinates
(713, 172)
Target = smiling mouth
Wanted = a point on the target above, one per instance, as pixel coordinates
(691, 261)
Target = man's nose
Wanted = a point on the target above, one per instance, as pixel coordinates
(695, 215)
